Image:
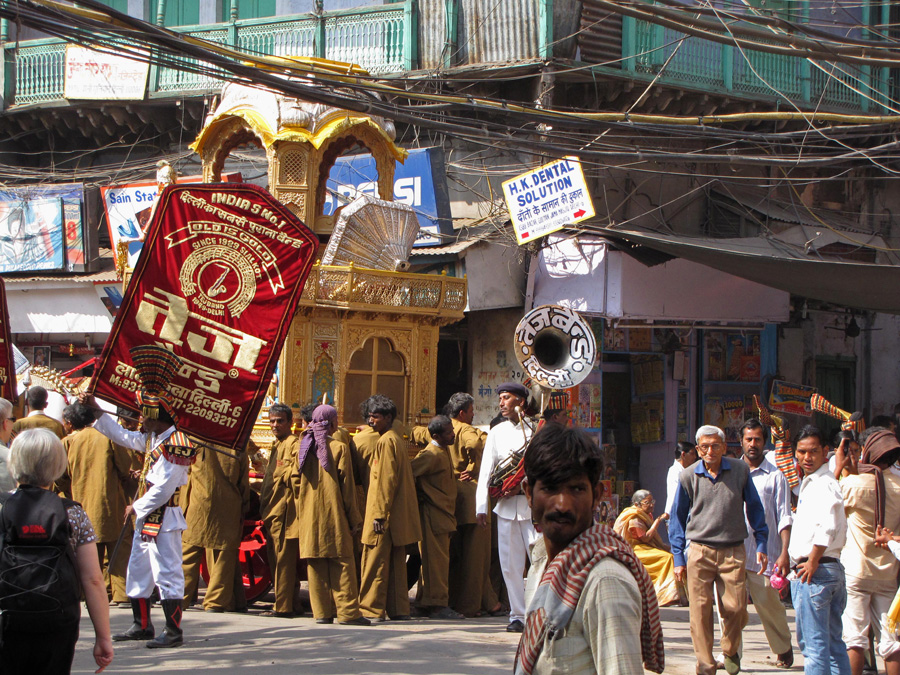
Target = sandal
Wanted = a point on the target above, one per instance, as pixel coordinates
(785, 660)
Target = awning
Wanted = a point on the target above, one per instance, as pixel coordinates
(778, 265)
(589, 275)
(74, 309)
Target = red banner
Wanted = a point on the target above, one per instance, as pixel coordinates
(217, 283)
(7, 362)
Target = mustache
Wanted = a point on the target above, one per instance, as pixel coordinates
(558, 517)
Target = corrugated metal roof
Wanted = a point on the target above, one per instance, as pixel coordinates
(106, 274)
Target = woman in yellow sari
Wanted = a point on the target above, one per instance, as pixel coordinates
(637, 526)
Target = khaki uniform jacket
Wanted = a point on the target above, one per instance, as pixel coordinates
(35, 421)
(278, 503)
(215, 499)
(392, 493)
(98, 470)
(365, 442)
(465, 453)
(436, 488)
(326, 504)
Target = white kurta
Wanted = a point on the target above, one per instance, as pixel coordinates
(156, 562)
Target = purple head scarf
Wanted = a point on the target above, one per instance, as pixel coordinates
(316, 437)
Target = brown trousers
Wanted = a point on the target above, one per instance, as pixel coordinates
(221, 565)
(435, 551)
(285, 577)
(382, 586)
(114, 571)
(333, 590)
(710, 570)
(471, 590)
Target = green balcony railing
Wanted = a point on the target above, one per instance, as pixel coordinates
(710, 66)
(381, 39)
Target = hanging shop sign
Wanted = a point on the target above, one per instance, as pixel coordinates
(104, 76)
(791, 398)
(547, 199)
(218, 284)
(419, 182)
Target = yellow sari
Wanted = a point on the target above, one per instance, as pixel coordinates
(659, 562)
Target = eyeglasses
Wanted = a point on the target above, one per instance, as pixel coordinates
(648, 502)
(711, 446)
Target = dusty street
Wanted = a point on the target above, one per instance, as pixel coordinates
(229, 643)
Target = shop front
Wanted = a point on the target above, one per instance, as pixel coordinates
(680, 345)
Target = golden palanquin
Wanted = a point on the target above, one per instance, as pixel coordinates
(357, 331)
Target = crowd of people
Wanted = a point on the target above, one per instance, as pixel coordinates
(350, 508)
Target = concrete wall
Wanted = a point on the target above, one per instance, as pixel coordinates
(491, 336)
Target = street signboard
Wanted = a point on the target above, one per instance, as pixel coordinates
(547, 199)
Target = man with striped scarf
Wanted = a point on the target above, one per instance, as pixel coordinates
(591, 604)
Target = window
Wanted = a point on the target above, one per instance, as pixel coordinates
(375, 369)
(177, 12)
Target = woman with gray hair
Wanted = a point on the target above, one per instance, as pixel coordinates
(41, 638)
(637, 526)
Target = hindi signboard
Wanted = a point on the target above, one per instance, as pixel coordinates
(104, 76)
(7, 360)
(218, 282)
(791, 398)
(547, 198)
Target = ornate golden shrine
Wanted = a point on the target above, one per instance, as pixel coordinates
(357, 331)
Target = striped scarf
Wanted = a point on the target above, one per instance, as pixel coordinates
(560, 589)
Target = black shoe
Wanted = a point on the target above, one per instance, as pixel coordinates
(358, 621)
(141, 629)
(172, 635)
(515, 627)
(401, 617)
(168, 638)
(323, 620)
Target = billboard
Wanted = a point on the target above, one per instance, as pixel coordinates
(104, 76)
(42, 228)
(419, 182)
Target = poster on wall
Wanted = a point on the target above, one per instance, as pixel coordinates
(104, 76)
(31, 235)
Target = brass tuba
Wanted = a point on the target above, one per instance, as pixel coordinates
(555, 346)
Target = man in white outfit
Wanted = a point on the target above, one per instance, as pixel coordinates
(515, 533)
(156, 552)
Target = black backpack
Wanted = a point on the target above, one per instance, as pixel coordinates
(39, 586)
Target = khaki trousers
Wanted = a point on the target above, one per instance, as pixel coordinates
(771, 612)
(332, 588)
(114, 571)
(383, 580)
(221, 566)
(285, 577)
(470, 567)
(710, 570)
(435, 551)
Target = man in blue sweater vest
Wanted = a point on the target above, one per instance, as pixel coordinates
(708, 511)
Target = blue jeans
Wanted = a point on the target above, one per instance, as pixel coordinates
(819, 605)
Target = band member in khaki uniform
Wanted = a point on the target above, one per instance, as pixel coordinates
(326, 500)
(99, 471)
(391, 521)
(36, 398)
(156, 553)
(278, 503)
(214, 502)
(436, 488)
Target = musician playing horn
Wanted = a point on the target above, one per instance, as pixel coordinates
(515, 533)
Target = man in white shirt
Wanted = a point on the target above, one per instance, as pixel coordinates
(7, 484)
(515, 533)
(818, 586)
(156, 553)
(685, 455)
(772, 487)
